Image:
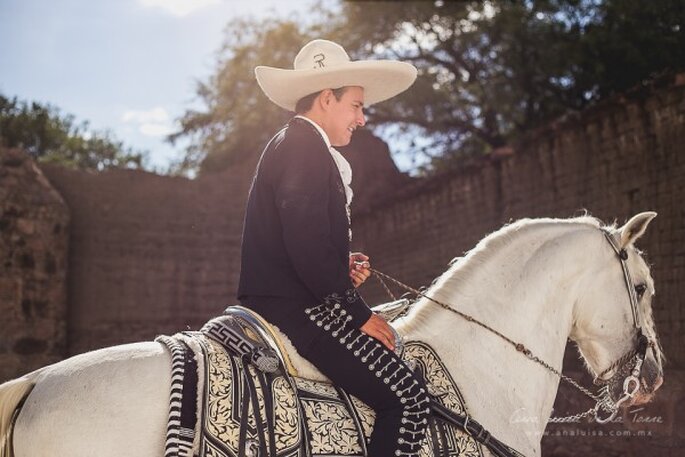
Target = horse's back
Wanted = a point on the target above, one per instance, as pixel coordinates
(113, 401)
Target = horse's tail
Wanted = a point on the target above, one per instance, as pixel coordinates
(12, 394)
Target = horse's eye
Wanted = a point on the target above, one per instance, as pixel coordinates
(640, 289)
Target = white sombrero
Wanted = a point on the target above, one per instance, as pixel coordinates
(322, 64)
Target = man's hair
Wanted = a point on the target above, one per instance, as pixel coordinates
(305, 103)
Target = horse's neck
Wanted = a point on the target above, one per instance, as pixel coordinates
(521, 292)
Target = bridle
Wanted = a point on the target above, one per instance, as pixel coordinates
(603, 401)
(634, 357)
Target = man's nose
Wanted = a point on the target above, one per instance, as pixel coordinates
(362, 120)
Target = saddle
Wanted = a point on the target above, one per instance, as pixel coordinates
(251, 401)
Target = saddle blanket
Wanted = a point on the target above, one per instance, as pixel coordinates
(242, 410)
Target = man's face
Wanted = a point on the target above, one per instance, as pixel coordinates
(344, 116)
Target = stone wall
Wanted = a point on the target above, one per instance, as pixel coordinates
(156, 254)
(620, 158)
(34, 223)
(148, 254)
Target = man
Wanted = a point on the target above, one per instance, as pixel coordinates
(296, 266)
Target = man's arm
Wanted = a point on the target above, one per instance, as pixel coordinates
(301, 190)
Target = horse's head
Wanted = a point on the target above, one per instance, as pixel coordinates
(605, 323)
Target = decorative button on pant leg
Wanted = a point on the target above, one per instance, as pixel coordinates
(404, 410)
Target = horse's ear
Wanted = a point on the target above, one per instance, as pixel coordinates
(635, 227)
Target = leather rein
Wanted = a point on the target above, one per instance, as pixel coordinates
(603, 401)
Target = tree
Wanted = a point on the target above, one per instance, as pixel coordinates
(49, 136)
(238, 119)
(488, 70)
(629, 41)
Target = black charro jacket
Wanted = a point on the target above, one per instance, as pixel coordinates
(296, 246)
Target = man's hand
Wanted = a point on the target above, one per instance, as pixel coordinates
(377, 327)
(359, 268)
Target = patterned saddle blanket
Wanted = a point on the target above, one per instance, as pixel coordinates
(247, 403)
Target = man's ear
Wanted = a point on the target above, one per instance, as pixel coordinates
(324, 98)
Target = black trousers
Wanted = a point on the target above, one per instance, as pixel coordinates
(366, 369)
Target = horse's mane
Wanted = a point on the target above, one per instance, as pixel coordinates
(461, 267)
(498, 239)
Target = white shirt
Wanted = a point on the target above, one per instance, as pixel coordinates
(343, 165)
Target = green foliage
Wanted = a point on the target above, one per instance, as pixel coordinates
(238, 119)
(49, 136)
(630, 41)
(488, 70)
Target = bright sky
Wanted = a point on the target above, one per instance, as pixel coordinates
(128, 66)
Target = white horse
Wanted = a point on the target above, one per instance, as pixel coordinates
(537, 281)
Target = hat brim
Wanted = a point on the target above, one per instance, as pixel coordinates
(381, 80)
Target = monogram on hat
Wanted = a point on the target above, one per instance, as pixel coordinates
(319, 54)
(323, 64)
